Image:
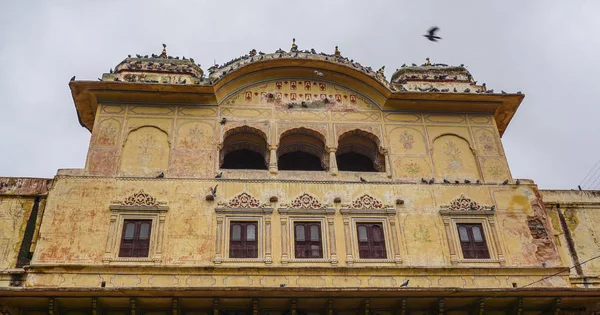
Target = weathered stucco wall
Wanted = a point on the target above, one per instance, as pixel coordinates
(183, 141)
(575, 217)
(77, 227)
(17, 198)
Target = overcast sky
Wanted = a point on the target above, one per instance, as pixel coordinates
(547, 49)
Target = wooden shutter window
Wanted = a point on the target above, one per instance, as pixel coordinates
(307, 240)
(135, 240)
(371, 241)
(243, 240)
(472, 241)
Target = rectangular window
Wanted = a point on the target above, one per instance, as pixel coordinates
(371, 242)
(472, 241)
(307, 240)
(135, 240)
(243, 240)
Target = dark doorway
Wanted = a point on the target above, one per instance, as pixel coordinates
(355, 162)
(299, 161)
(244, 159)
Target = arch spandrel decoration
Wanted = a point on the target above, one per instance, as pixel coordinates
(465, 205)
(306, 201)
(316, 94)
(243, 200)
(367, 202)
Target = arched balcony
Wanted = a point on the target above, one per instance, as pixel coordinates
(244, 148)
(358, 151)
(302, 149)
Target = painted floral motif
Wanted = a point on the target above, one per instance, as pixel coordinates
(463, 203)
(107, 134)
(452, 151)
(242, 200)
(305, 201)
(194, 138)
(496, 168)
(365, 202)
(140, 199)
(407, 140)
(487, 142)
(413, 168)
(146, 146)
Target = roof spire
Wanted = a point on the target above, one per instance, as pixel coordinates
(294, 46)
(427, 63)
(337, 52)
(164, 52)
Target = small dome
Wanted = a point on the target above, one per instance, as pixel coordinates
(161, 68)
(436, 77)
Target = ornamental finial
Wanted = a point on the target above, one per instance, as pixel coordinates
(294, 46)
(427, 63)
(164, 51)
(337, 52)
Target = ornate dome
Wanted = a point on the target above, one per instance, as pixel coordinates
(161, 68)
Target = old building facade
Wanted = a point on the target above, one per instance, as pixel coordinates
(294, 182)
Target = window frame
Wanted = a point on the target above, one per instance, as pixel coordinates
(292, 221)
(472, 241)
(354, 255)
(370, 239)
(244, 237)
(136, 239)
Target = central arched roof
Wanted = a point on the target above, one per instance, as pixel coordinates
(253, 68)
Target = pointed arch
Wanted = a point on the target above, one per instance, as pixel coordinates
(244, 147)
(359, 150)
(302, 149)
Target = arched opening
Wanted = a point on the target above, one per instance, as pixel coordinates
(244, 148)
(358, 151)
(302, 149)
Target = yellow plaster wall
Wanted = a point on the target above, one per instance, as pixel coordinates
(580, 210)
(14, 213)
(194, 133)
(77, 218)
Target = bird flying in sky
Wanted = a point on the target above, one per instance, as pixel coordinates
(431, 34)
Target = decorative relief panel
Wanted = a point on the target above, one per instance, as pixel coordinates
(412, 167)
(463, 203)
(197, 111)
(314, 93)
(145, 153)
(150, 110)
(407, 140)
(112, 109)
(302, 115)
(486, 141)
(243, 200)
(356, 116)
(454, 158)
(254, 113)
(107, 132)
(195, 135)
(364, 202)
(495, 169)
(447, 118)
(305, 201)
(403, 117)
(139, 198)
(480, 119)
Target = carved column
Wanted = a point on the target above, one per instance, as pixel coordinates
(94, 305)
(333, 169)
(492, 222)
(51, 306)
(219, 241)
(273, 159)
(268, 256)
(388, 164)
(111, 235)
(175, 306)
(284, 242)
(132, 306)
(159, 239)
(347, 238)
(332, 249)
(216, 307)
(395, 239)
(450, 238)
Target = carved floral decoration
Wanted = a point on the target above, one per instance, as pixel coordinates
(140, 198)
(365, 202)
(306, 201)
(463, 203)
(243, 200)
